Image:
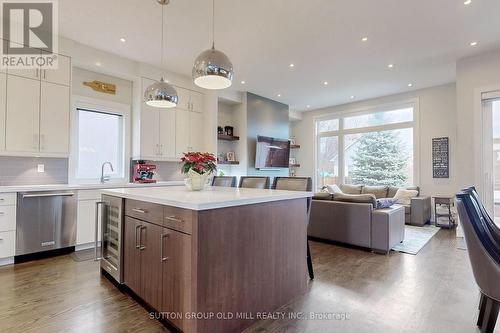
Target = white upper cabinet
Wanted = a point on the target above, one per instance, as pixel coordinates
(184, 98)
(196, 102)
(196, 131)
(167, 133)
(54, 118)
(181, 132)
(150, 132)
(61, 75)
(22, 121)
(34, 73)
(3, 105)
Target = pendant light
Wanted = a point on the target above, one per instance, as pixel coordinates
(212, 68)
(161, 94)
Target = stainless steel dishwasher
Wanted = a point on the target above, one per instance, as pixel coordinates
(46, 222)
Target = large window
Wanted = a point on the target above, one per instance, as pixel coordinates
(100, 139)
(371, 148)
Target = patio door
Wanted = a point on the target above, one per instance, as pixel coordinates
(491, 153)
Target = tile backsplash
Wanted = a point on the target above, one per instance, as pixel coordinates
(24, 171)
(168, 171)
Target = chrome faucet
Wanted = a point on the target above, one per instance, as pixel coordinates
(106, 178)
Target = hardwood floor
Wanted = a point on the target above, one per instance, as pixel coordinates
(431, 292)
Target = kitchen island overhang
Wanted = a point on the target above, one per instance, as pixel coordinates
(212, 261)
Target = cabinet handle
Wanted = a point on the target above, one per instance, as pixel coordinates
(36, 72)
(137, 210)
(44, 73)
(173, 218)
(162, 236)
(2, 199)
(2, 213)
(142, 247)
(136, 243)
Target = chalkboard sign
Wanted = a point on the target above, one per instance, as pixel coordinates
(440, 158)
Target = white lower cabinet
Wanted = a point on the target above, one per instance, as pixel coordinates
(85, 221)
(7, 225)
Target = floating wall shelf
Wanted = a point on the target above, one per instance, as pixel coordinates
(227, 137)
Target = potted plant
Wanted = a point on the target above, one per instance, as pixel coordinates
(198, 167)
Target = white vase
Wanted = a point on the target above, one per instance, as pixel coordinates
(195, 181)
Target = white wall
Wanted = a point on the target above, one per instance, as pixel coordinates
(474, 75)
(437, 118)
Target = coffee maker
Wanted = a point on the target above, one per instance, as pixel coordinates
(143, 172)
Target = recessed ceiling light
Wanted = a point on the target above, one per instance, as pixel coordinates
(292, 65)
(390, 66)
(467, 2)
(410, 85)
(98, 64)
(279, 95)
(308, 106)
(473, 43)
(243, 82)
(364, 39)
(123, 40)
(352, 97)
(325, 83)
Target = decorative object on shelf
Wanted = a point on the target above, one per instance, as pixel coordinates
(292, 141)
(229, 130)
(99, 86)
(231, 156)
(212, 69)
(293, 173)
(221, 158)
(198, 167)
(220, 130)
(440, 158)
(292, 161)
(161, 94)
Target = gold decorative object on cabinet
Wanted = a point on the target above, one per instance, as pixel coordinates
(107, 88)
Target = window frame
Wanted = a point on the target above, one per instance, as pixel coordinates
(341, 133)
(97, 105)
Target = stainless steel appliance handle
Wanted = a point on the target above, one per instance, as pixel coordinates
(162, 237)
(142, 247)
(173, 218)
(97, 205)
(137, 210)
(137, 244)
(57, 194)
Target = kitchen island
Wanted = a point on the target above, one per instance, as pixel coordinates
(216, 260)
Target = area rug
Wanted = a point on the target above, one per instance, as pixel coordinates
(416, 238)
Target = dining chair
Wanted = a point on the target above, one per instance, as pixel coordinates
(484, 258)
(298, 184)
(225, 181)
(254, 182)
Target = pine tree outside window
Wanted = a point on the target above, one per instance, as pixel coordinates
(370, 147)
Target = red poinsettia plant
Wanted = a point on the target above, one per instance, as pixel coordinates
(201, 163)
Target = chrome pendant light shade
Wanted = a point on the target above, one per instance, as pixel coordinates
(161, 95)
(212, 69)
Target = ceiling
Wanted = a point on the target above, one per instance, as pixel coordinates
(322, 38)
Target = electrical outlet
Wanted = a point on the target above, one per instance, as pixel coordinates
(41, 168)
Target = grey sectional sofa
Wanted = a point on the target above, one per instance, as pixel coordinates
(351, 217)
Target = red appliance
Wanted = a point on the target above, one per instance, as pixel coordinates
(143, 173)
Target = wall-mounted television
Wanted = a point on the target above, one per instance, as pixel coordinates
(272, 153)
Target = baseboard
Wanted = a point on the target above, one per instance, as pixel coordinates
(86, 246)
(6, 261)
(42, 255)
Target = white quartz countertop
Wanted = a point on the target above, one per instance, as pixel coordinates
(64, 187)
(211, 198)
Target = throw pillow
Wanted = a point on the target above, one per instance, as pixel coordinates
(385, 202)
(404, 196)
(377, 191)
(333, 189)
(356, 198)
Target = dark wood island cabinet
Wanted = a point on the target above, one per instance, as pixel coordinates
(214, 270)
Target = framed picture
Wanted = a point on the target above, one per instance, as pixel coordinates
(292, 141)
(231, 157)
(292, 160)
(441, 157)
